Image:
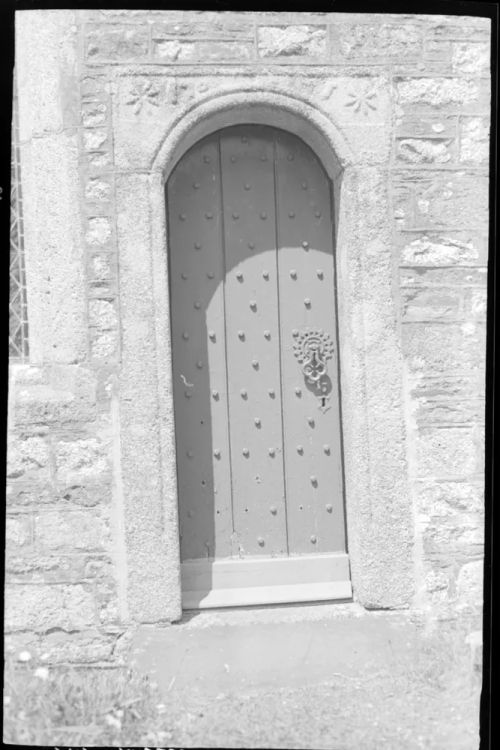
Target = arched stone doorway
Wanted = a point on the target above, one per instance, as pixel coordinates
(378, 505)
(255, 371)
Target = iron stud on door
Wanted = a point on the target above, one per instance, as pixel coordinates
(303, 190)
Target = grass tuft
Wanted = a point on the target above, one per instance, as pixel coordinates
(79, 706)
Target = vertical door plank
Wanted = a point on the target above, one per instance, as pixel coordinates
(307, 299)
(198, 343)
(253, 341)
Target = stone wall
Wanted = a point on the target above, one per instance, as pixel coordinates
(67, 578)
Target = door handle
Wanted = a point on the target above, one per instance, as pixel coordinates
(312, 348)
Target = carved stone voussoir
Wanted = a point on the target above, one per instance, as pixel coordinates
(148, 104)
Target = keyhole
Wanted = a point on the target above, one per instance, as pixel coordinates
(323, 400)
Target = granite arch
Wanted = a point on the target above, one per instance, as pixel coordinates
(371, 387)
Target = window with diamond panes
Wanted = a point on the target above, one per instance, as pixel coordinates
(18, 320)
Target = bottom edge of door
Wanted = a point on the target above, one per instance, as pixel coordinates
(256, 595)
(233, 583)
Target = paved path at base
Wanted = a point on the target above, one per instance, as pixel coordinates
(331, 676)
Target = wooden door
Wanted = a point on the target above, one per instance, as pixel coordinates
(255, 372)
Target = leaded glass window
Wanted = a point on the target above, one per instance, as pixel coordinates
(18, 319)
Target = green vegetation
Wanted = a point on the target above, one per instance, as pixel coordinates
(76, 706)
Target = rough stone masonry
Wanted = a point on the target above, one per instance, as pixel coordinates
(91, 539)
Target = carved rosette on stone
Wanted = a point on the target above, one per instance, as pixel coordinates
(143, 92)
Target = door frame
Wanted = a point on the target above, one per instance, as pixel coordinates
(260, 578)
(377, 500)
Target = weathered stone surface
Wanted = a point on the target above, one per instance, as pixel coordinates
(16, 643)
(442, 249)
(466, 27)
(18, 533)
(291, 41)
(475, 641)
(432, 349)
(99, 159)
(93, 87)
(37, 567)
(221, 25)
(429, 127)
(101, 266)
(477, 301)
(47, 73)
(84, 648)
(471, 58)
(68, 393)
(184, 50)
(102, 314)
(470, 584)
(94, 114)
(23, 493)
(97, 190)
(454, 200)
(53, 248)
(107, 602)
(94, 139)
(77, 530)
(443, 277)
(116, 42)
(450, 412)
(439, 50)
(444, 498)
(474, 140)
(87, 495)
(375, 463)
(27, 455)
(152, 547)
(419, 151)
(437, 91)
(80, 460)
(29, 374)
(103, 345)
(41, 607)
(431, 304)
(98, 230)
(456, 387)
(376, 41)
(457, 537)
(437, 580)
(447, 452)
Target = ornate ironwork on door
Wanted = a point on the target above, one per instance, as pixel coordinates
(253, 320)
(313, 348)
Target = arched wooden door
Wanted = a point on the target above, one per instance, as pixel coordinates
(255, 372)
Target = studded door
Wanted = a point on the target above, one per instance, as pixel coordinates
(255, 367)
